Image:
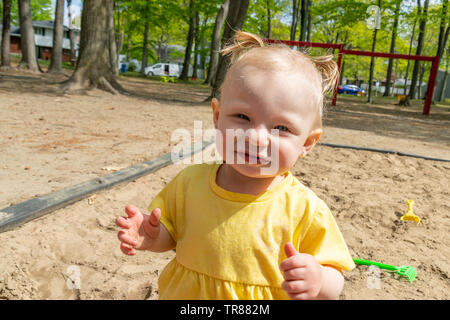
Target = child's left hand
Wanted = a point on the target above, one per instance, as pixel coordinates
(302, 274)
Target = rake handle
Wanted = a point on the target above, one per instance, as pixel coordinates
(372, 263)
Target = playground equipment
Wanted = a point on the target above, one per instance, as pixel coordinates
(404, 271)
(410, 214)
(342, 51)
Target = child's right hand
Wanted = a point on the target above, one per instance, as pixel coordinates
(139, 231)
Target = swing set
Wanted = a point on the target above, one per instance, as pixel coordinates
(342, 51)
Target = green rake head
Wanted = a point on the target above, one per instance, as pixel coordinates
(407, 272)
(404, 271)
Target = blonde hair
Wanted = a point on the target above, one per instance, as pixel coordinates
(250, 48)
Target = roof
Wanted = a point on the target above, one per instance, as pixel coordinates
(47, 24)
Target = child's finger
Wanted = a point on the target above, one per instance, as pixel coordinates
(131, 210)
(155, 215)
(126, 249)
(296, 261)
(289, 249)
(125, 238)
(154, 223)
(122, 222)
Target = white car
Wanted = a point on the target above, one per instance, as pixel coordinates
(163, 69)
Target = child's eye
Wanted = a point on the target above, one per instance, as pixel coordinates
(243, 116)
(282, 128)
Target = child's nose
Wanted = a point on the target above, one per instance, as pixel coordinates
(258, 137)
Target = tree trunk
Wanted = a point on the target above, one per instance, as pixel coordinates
(422, 25)
(295, 17)
(94, 62)
(387, 90)
(145, 43)
(190, 39)
(269, 20)
(71, 33)
(444, 82)
(27, 45)
(236, 16)
(215, 42)
(113, 57)
(308, 37)
(196, 45)
(119, 34)
(372, 61)
(409, 53)
(58, 34)
(304, 19)
(443, 31)
(6, 34)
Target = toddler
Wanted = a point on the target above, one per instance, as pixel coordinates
(246, 228)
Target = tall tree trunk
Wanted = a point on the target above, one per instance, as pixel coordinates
(444, 82)
(422, 25)
(372, 61)
(196, 45)
(443, 30)
(304, 19)
(215, 42)
(421, 73)
(6, 34)
(308, 37)
(113, 57)
(58, 34)
(269, 20)
(235, 20)
(295, 17)
(409, 53)
(190, 39)
(73, 55)
(145, 42)
(120, 32)
(392, 50)
(94, 63)
(27, 45)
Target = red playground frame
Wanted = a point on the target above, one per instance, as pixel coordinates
(342, 51)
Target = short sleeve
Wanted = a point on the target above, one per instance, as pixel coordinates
(171, 201)
(324, 241)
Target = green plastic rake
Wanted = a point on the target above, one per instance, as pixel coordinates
(404, 271)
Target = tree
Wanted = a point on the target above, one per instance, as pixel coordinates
(27, 45)
(145, 43)
(215, 42)
(235, 19)
(190, 40)
(71, 33)
(94, 69)
(6, 62)
(295, 17)
(422, 26)
(58, 33)
(387, 90)
(372, 60)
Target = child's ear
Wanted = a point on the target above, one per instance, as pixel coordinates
(311, 141)
(215, 105)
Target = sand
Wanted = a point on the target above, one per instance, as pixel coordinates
(50, 141)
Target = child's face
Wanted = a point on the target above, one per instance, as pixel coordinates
(257, 101)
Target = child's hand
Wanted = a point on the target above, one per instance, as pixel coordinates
(139, 230)
(302, 274)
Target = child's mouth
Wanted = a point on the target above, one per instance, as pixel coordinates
(252, 159)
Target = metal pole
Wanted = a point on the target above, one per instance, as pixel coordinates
(430, 88)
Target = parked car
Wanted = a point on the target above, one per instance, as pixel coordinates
(351, 89)
(163, 69)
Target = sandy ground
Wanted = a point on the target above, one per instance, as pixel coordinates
(50, 141)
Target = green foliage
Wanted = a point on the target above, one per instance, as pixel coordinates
(168, 79)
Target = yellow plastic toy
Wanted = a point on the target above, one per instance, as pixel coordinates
(410, 214)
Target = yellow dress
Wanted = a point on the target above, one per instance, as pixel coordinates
(230, 245)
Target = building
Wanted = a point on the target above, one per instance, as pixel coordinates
(43, 39)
